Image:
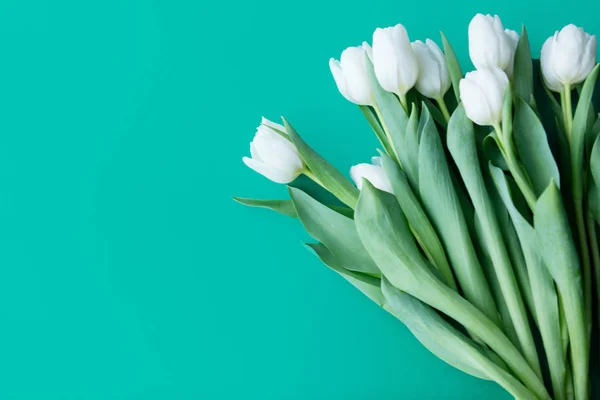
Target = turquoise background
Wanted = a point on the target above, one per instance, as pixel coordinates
(127, 270)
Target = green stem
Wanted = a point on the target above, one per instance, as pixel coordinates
(458, 308)
(404, 103)
(312, 176)
(387, 134)
(516, 169)
(567, 110)
(443, 108)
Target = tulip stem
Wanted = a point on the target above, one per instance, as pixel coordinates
(313, 177)
(404, 102)
(518, 173)
(388, 135)
(443, 108)
(568, 111)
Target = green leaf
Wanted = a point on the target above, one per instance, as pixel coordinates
(385, 234)
(453, 66)
(592, 135)
(330, 177)
(542, 287)
(594, 200)
(554, 104)
(442, 205)
(377, 128)
(513, 245)
(533, 148)
(461, 143)
(578, 132)
(392, 115)
(491, 150)
(490, 273)
(448, 343)
(560, 255)
(284, 207)
(411, 144)
(595, 172)
(369, 285)
(436, 334)
(436, 114)
(335, 231)
(418, 220)
(523, 69)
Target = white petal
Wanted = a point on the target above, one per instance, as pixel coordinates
(269, 172)
(273, 125)
(373, 173)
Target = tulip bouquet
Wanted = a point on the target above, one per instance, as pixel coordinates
(476, 226)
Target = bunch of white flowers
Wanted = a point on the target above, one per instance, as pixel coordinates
(474, 236)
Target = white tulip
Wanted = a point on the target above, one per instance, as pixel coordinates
(489, 44)
(374, 173)
(394, 60)
(482, 94)
(273, 155)
(351, 77)
(568, 57)
(433, 80)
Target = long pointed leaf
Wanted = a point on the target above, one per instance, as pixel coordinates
(533, 148)
(330, 177)
(453, 66)
(418, 219)
(385, 234)
(461, 143)
(560, 254)
(442, 205)
(335, 231)
(542, 288)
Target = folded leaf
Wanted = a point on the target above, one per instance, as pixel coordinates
(385, 234)
(453, 66)
(377, 128)
(443, 207)
(561, 258)
(533, 148)
(461, 143)
(491, 150)
(435, 333)
(418, 220)
(284, 207)
(523, 69)
(369, 285)
(335, 231)
(411, 144)
(392, 116)
(578, 132)
(330, 177)
(542, 288)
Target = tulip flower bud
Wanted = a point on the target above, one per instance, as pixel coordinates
(351, 77)
(394, 60)
(568, 57)
(482, 94)
(433, 80)
(273, 154)
(490, 45)
(374, 173)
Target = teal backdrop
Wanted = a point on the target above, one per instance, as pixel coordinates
(128, 272)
